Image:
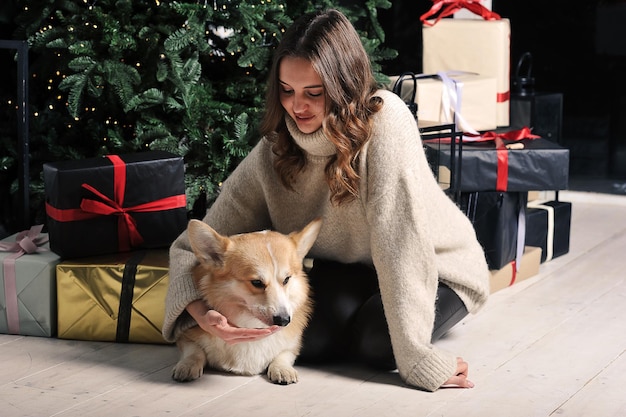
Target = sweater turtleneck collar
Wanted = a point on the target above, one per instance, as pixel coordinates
(315, 144)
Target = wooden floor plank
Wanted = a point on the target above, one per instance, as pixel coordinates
(602, 396)
(546, 373)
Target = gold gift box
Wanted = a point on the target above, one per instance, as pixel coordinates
(113, 298)
(474, 45)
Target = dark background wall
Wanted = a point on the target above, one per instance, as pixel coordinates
(578, 50)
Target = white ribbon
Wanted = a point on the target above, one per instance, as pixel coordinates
(550, 236)
(452, 97)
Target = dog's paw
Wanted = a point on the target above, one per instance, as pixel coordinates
(283, 375)
(187, 371)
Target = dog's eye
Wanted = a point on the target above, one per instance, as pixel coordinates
(286, 280)
(257, 283)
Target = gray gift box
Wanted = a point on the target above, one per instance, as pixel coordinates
(35, 276)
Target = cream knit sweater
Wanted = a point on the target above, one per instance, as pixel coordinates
(402, 223)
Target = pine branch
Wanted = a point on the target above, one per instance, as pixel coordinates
(75, 84)
(123, 78)
(149, 98)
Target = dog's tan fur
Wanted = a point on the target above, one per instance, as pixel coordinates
(255, 280)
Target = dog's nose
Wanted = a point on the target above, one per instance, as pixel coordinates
(281, 320)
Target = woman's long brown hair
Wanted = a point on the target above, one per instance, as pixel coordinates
(328, 40)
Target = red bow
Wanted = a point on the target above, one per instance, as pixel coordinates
(491, 136)
(128, 234)
(449, 7)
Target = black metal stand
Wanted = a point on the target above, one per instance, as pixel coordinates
(448, 131)
(23, 150)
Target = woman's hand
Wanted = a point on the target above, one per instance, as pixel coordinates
(216, 324)
(459, 379)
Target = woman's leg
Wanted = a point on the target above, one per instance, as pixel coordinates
(449, 310)
(339, 290)
(348, 321)
(370, 340)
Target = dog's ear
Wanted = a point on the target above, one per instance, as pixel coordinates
(306, 237)
(208, 245)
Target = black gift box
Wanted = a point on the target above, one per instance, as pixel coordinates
(498, 219)
(540, 165)
(548, 226)
(115, 204)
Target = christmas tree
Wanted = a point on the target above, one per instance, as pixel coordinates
(120, 76)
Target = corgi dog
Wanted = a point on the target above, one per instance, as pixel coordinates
(255, 280)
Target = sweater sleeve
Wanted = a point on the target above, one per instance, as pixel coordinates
(240, 207)
(408, 280)
(404, 209)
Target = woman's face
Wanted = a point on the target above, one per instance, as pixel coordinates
(302, 93)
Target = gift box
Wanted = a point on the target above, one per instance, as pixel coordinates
(474, 45)
(27, 284)
(499, 221)
(113, 298)
(536, 164)
(548, 226)
(115, 204)
(442, 97)
(516, 272)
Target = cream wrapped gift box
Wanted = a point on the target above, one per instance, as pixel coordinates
(27, 285)
(512, 273)
(440, 96)
(479, 46)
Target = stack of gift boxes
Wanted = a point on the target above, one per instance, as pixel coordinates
(101, 271)
(496, 166)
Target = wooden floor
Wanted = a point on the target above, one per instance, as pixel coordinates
(553, 345)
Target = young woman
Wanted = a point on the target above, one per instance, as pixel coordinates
(337, 147)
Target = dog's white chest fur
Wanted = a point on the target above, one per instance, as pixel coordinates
(247, 358)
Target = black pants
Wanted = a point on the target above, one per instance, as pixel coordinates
(348, 321)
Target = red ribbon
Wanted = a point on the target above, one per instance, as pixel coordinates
(128, 234)
(502, 177)
(503, 97)
(513, 273)
(449, 7)
(512, 135)
(26, 242)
